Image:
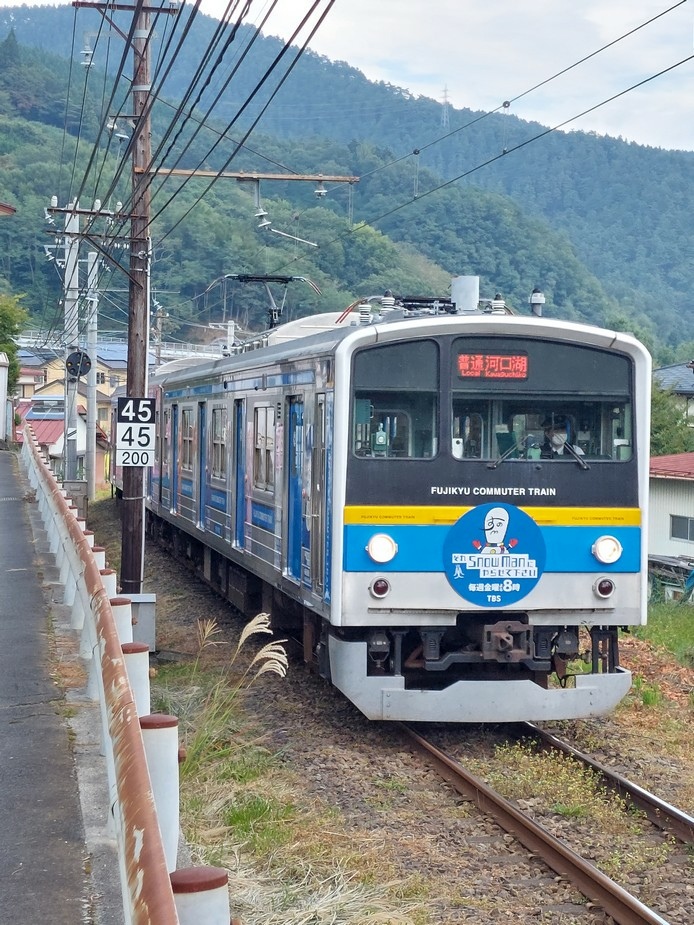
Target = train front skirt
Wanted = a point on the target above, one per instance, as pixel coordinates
(386, 698)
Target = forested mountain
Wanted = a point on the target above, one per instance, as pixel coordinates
(603, 226)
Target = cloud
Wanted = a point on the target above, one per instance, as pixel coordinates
(485, 53)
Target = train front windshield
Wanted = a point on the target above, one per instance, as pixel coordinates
(492, 399)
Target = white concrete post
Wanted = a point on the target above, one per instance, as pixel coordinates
(136, 655)
(123, 616)
(99, 553)
(109, 581)
(201, 894)
(160, 737)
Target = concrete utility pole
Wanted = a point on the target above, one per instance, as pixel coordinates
(72, 287)
(133, 513)
(159, 316)
(92, 323)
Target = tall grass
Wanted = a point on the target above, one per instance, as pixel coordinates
(206, 700)
(671, 625)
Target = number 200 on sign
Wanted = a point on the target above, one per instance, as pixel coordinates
(134, 457)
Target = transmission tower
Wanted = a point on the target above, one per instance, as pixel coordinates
(445, 121)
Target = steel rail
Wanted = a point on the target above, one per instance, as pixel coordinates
(624, 908)
(661, 814)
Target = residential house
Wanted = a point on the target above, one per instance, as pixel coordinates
(46, 416)
(671, 520)
(43, 372)
(5, 404)
(679, 379)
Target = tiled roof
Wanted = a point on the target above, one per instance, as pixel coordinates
(678, 466)
(679, 377)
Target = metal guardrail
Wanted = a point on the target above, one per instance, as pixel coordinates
(141, 757)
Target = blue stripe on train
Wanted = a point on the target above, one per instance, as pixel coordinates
(420, 548)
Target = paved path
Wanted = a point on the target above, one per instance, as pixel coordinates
(43, 855)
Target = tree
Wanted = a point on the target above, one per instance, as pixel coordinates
(670, 432)
(12, 320)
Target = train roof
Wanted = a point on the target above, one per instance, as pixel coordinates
(321, 334)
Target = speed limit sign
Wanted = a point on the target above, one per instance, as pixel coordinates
(135, 432)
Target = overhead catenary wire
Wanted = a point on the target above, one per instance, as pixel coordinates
(202, 123)
(247, 103)
(502, 154)
(490, 160)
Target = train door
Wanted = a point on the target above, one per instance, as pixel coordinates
(239, 473)
(295, 512)
(173, 500)
(202, 464)
(318, 495)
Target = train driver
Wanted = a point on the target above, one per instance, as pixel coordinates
(558, 438)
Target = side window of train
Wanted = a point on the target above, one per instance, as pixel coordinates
(186, 438)
(219, 429)
(264, 447)
(395, 412)
(167, 435)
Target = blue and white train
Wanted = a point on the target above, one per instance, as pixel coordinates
(379, 484)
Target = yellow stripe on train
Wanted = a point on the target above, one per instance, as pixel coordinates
(392, 514)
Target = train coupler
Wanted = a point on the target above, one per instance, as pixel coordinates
(507, 641)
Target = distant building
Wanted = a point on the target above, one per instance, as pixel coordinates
(46, 415)
(5, 404)
(111, 364)
(679, 379)
(671, 527)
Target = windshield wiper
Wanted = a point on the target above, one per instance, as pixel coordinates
(514, 448)
(577, 456)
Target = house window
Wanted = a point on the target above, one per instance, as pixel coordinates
(219, 430)
(186, 439)
(264, 448)
(101, 378)
(681, 528)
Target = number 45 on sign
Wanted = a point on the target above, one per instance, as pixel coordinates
(135, 432)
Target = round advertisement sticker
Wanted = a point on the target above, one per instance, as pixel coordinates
(494, 555)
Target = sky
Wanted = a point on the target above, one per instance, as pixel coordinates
(479, 54)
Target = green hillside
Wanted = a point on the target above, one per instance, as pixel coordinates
(602, 226)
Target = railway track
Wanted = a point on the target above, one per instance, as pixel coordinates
(663, 815)
(617, 902)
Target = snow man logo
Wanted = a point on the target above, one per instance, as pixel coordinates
(494, 555)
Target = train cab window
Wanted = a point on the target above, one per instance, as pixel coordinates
(186, 438)
(219, 429)
(520, 428)
(467, 441)
(264, 447)
(508, 393)
(395, 401)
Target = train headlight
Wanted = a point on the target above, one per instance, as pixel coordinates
(382, 548)
(607, 549)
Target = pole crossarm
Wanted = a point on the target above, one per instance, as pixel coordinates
(129, 7)
(245, 175)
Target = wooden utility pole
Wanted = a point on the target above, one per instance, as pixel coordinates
(133, 509)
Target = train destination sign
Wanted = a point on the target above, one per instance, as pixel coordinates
(135, 432)
(493, 365)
